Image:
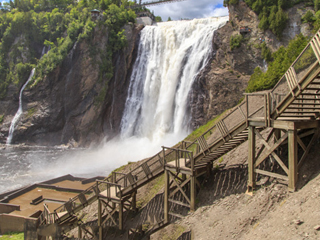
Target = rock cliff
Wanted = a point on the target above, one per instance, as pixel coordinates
(222, 83)
(74, 106)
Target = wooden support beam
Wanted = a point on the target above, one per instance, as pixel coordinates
(180, 187)
(121, 216)
(99, 220)
(284, 167)
(166, 196)
(304, 156)
(79, 232)
(176, 215)
(277, 136)
(193, 193)
(263, 146)
(179, 203)
(271, 174)
(251, 158)
(275, 146)
(293, 159)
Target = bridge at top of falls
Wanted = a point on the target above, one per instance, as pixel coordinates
(151, 3)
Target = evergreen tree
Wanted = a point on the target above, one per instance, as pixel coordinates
(281, 22)
(316, 5)
(257, 6)
(264, 23)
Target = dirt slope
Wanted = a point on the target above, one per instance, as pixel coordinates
(225, 211)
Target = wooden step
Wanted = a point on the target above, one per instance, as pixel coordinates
(296, 116)
(310, 94)
(312, 89)
(312, 108)
(299, 112)
(306, 103)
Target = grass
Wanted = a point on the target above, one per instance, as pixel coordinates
(31, 111)
(12, 236)
(202, 129)
(119, 169)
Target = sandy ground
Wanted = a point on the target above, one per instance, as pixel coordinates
(225, 211)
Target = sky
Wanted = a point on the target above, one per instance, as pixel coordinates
(189, 9)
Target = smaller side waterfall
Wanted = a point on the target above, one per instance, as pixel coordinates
(19, 112)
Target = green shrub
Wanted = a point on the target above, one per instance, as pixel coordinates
(308, 17)
(230, 2)
(271, 14)
(235, 41)
(282, 59)
(266, 52)
(58, 24)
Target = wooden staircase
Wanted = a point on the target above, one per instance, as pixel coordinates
(292, 105)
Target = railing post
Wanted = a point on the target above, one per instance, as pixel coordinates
(163, 155)
(265, 110)
(114, 177)
(269, 107)
(247, 109)
(192, 161)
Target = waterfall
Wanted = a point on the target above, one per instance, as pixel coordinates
(43, 51)
(170, 56)
(19, 112)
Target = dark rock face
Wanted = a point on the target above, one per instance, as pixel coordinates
(222, 83)
(63, 108)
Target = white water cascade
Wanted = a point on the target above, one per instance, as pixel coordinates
(170, 56)
(19, 112)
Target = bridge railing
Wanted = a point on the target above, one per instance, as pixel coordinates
(179, 156)
(220, 130)
(299, 70)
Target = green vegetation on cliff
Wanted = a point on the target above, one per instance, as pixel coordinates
(271, 12)
(27, 26)
(282, 60)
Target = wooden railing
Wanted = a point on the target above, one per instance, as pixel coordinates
(177, 154)
(300, 69)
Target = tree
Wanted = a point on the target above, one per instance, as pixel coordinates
(169, 19)
(257, 6)
(316, 5)
(158, 19)
(308, 17)
(264, 23)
